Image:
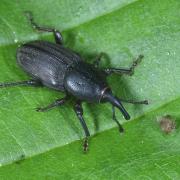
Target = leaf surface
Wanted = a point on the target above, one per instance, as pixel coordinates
(123, 30)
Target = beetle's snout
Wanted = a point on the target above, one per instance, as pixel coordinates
(117, 103)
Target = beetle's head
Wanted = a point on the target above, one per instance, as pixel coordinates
(107, 96)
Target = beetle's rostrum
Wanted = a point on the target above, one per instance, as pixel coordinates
(56, 67)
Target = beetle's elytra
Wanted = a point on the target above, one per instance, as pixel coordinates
(54, 66)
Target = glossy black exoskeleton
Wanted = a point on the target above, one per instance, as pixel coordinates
(59, 68)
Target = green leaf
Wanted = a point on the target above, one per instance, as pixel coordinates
(143, 152)
(123, 30)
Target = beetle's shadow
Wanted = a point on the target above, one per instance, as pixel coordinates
(118, 84)
(93, 112)
(119, 87)
(69, 39)
(71, 123)
(123, 91)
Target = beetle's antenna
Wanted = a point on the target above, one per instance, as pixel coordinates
(115, 101)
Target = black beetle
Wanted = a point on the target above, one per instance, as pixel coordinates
(59, 68)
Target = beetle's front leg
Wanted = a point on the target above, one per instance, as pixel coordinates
(56, 103)
(79, 112)
(121, 71)
(57, 34)
(121, 130)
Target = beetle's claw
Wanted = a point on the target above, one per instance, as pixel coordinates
(145, 102)
(85, 145)
(141, 56)
(121, 130)
(137, 61)
(28, 14)
(39, 109)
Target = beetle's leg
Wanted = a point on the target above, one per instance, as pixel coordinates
(20, 83)
(97, 59)
(129, 71)
(56, 103)
(57, 34)
(121, 130)
(79, 112)
(135, 102)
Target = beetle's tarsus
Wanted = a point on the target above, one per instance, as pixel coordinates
(56, 103)
(135, 102)
(40, 109)
(20, 83)
(57, 35)
(134, 64)
(79, 112)
(29, 16)
(146, 102)
(121, 129)
(127, 71)
(85, 145)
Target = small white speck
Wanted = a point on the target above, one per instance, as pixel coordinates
(152, 74)
(173, 52)
(15, 40)
(66, 143)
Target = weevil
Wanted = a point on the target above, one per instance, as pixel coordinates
(59, 68)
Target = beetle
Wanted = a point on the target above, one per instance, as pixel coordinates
(59, 68)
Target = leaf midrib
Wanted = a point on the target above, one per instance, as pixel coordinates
(55, 147)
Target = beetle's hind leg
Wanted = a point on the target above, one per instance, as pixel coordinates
(20, 83)
(121, 71)
(79, 112)
(57, 34)
(56, 103)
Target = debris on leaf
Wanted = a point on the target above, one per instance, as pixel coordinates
(167, 124)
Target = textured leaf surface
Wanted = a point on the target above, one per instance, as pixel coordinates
(123, 30)
(143, 152)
